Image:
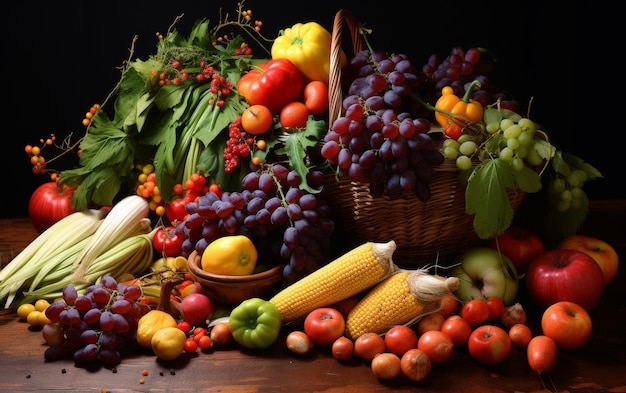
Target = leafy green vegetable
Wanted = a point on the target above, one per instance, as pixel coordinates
(168, 125)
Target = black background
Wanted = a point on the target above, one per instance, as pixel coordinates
(62, 57)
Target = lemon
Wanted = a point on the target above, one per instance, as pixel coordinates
(233, 255)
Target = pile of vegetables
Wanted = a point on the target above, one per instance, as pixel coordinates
(80, 249)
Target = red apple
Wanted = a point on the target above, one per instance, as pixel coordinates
(520, 245)
(567, 323)
(559, 274)
(489, 344)
(602, 252)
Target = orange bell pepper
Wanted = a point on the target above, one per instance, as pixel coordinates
(452, 109)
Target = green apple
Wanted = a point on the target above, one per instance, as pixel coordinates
(483, 273)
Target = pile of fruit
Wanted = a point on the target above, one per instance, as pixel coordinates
(209, 149)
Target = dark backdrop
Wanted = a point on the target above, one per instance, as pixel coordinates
(61, 57)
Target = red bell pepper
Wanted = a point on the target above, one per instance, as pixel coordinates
(273, 84)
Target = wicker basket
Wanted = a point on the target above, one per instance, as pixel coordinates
(425, 232)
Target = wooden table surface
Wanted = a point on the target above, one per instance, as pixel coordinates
(599, 366)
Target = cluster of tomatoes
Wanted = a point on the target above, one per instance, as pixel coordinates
(487, 329)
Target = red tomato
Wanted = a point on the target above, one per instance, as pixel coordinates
(368, 345)
(458, 329)
(204, 342)
(175, 211)
(49, 203)
(489, 344)
(316, 97)
(475, 311)
(324, 325)
(437, 345)
(541, 353)
(453, 131)
(166, 242)
(400, 339)
(184, 326)
(190, 345)
(496, 308)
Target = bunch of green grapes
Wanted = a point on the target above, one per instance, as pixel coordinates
(517, 141)
(566, 188)
(507, 139)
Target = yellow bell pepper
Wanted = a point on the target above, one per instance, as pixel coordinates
(150, 323)
(168, 343)
(307, 46)
(450, 108)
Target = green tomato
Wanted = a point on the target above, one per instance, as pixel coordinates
(255, 323)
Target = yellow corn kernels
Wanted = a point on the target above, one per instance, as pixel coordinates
(348, 275)
(400, 299)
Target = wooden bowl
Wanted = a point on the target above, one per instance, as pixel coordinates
(232, 290)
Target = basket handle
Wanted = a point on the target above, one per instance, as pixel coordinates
(335, 94)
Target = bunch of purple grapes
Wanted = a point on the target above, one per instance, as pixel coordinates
(458, 69)
(380, 138)
(98, 325)
(287, 224)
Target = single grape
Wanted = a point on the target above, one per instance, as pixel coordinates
(89, 336)
(463, 163)
(109, 282)
(92, 316)
(69, 294)
(69, 316)
(468, 148)
(107, 322)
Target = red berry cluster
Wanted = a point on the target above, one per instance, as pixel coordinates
(239, 144)
(221, 87)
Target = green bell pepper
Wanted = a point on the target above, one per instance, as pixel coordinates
(255, 323)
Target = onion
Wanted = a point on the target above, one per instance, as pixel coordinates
(513, 315)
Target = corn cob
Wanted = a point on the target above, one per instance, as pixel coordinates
(400, 299)
(127, 218)
(348, 275)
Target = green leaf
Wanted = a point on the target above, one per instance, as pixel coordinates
(212, 163)
(296, 146)
(579, 163)
(142, 111)
(486, 197)
(544, 148)
(107, 146)
(527, 180)
(131, 88)
(492, 115)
